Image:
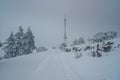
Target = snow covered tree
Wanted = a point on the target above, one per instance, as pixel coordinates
(78, 41)
(19, 41)
(41, 49)
(81, 41)
(99, 37)
(62, 46)
(102, 36)
(29, 43)
(19, 44)
(9, 47)
(111, 35)
(75, 42)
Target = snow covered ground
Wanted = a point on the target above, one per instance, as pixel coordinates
(57, 65)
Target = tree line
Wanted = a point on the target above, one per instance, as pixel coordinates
(19, 43)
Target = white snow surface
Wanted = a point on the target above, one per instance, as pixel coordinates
(57, 65)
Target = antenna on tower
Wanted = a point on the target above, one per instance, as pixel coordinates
(65, 35)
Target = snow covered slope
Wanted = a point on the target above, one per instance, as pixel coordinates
(57, 65)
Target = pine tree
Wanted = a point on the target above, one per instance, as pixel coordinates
(29, 43)
(19, 41)
(19, 44)
(9, 47)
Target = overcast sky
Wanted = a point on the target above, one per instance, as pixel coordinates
(46, 17)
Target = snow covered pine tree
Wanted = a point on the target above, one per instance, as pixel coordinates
(9, 47)
(19, 41)
(29, 43)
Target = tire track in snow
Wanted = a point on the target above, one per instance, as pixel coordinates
(68, 70)
(67, 77)
(43, 63)
(41, 66)
(61, 63)
(52, 64)
(46, 59)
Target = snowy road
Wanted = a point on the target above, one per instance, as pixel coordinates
(56, 67)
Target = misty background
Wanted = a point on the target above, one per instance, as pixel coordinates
(46, 18)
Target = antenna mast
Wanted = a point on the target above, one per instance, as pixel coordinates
(65, 35)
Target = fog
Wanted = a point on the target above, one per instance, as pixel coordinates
(46, 18)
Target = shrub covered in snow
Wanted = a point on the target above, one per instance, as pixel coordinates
(41, 49)
(78, 41)
(95, 49)
(62, 46)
